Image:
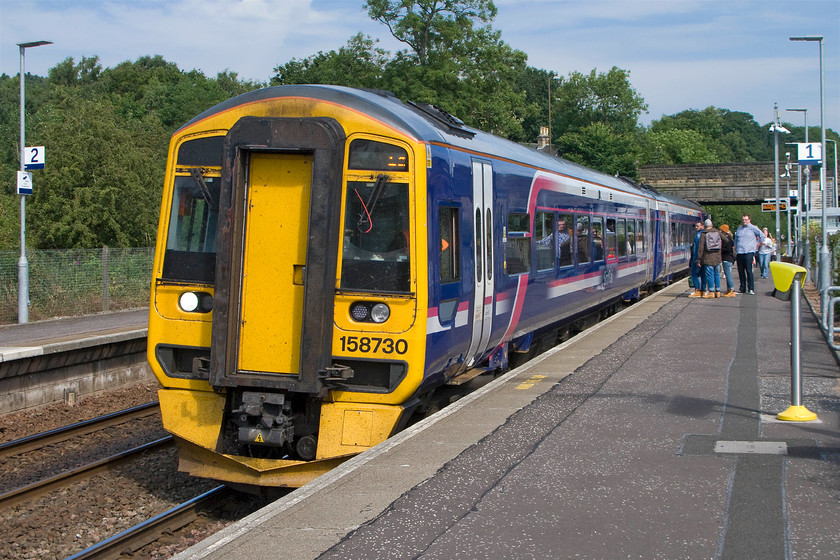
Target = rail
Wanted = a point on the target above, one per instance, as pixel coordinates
(149, 531)
(43, 439)
(36, 489)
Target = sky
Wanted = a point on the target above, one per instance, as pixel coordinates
(681, 54)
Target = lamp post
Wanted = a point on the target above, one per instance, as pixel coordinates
(805, 201)
(834, 200)
(824, 256)
(776, 128)
(23, 264)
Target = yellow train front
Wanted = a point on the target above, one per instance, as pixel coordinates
(284, 316)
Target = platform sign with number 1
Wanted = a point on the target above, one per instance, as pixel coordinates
(810, 153)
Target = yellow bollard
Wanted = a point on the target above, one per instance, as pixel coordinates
(788, 279)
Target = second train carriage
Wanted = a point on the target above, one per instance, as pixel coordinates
(328, 256)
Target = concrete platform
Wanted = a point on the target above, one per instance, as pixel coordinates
(63, 359)
(652, 435)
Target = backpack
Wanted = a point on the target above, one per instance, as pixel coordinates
(712, 241)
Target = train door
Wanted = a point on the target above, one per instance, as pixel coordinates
(658, 245)
(271, 295)
(483, 289)
(280, 208)
(667, 243)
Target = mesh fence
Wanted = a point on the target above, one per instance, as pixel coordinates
(68, 282)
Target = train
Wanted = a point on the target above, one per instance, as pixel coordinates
(329, 257)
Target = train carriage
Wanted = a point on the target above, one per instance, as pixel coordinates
(327, 257)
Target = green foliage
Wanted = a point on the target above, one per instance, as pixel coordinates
(106, 132)
(583, 99)
(600, 148)
(432, 27)
(730, 136)
(358, 64)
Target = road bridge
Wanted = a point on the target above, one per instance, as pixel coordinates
(715, 183)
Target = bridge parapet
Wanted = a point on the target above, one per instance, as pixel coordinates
(714, 183)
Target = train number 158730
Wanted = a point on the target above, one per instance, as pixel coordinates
(366, 344)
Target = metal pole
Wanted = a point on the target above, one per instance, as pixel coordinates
(790, 235)
(806, 201)
(795, 375)
(776, 174)
(23, 264)
(825, 263)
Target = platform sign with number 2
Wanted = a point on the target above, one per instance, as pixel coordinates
(33, 158)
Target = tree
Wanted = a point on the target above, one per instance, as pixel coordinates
(431, 26)
(607, 98)
(358, 64)
(675, 146)
(597, 146)
(732, 136)
(103, 182)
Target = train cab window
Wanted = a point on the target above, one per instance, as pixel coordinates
(191, 242)
(518, 246)
(375, 254)
(631, 237)
(597, 239)
(450, 258)
(544, 234)
(584, 239)
(610, 239)
(621, 236)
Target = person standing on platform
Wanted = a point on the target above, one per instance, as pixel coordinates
(727, 255)
(697, 277)
(747, 239)
(765, 251)
(709, 255)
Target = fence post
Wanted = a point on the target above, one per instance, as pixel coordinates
(106, 280)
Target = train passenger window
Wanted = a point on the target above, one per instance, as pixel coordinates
(518, 246)
(583, 234)
(565, 252)
(450, 239)
(544, 234)
(375, 253)
(597, 239)
(376, 156)
(610, 239)
(674, 237)
(631, 237)
(620, 233)
(640, 237)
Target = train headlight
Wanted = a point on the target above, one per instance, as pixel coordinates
(188, 301)
(380, 313)
(195, 302)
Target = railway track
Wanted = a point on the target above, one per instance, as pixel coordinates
(42, 487)
(149, 531)
(44, 439)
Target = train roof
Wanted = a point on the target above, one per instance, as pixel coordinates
(427, 123)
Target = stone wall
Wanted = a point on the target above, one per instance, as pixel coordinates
(715, 183)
